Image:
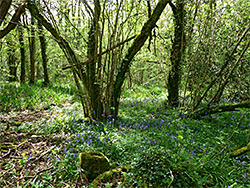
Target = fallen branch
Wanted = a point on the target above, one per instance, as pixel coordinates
(36, 175)
(241, 151)
(218, 109)
(33, 161)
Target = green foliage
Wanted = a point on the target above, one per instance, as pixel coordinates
(159, 146)
(150, 168)
(15, 96)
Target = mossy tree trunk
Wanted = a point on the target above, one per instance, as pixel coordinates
(177, 53)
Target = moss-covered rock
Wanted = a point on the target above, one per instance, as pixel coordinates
(106, 177)
(95, 163)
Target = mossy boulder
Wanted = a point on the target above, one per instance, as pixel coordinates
(106, 177)
(95, 163)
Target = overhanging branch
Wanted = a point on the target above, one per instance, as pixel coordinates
(14, 21)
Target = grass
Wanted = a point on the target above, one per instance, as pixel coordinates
(160, 148)
(18, 97)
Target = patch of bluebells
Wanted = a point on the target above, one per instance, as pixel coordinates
(162, 132)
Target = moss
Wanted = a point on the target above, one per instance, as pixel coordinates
(241, 151)
(94, 163)
(106, 177)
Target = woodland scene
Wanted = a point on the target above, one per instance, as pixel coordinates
(125, 93)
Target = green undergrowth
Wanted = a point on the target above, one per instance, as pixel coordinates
(159, 147)
(15, 96)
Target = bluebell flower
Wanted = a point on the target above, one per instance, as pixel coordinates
(245, 176)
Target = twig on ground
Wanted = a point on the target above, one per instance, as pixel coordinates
(13, 166)
(33, 161)
(172, 176)
(33, 178)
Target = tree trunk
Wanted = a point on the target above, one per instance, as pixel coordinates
(22, 52)
(32, 52)
(94, 94)
(177, 52)
(88, 79)
(44, 55)
(12, 63)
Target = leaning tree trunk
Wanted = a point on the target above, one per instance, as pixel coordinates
(177, 52)
(4, 7)
(132, 51)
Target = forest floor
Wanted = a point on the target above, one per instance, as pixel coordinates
(43, 131)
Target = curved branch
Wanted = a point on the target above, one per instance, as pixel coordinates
(13, 23)
(4, 7)
(173, 7)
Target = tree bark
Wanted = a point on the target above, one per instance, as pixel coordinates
(93, 88)
(32, 52)
(12, 64)
(4, 7)
(44, 55)
(177, 52)
(22, 52)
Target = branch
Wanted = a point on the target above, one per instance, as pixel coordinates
(173, 7)
(4, 7)
(218, 109)
(241, 151)
(219, 74)
(104, 52)
(14, 21)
